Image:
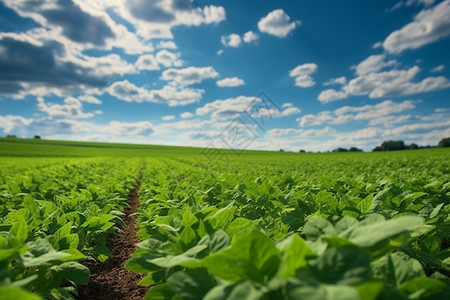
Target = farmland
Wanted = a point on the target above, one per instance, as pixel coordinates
(224, 224)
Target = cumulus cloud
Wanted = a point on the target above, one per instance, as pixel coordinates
(189, 76)
(186, 115)
(277, 23)
(375, 82)
(168, 118)
(428, 26)
(348, 114)
(330, 95)
(147, 62)
(302, 74)
(230, 82)
(168, 59)
(228, 108)
(373, 63)
(438, 69)
(171, 95)
(231, 40)
(335, 81)
(276, 113)
(26, 63)
(166, 45)
(250, 36)
(90, 99)
(10, 123)
(406, 3)
(71, 108)
(155, 19)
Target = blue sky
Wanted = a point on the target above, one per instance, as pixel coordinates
(313, 75)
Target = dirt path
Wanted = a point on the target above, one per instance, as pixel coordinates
(110, 280)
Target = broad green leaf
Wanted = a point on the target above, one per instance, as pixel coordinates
(73, 271)
(10, 293)
(31, 261)
(419, 288)
(347, 265)
(293, 255)
(170, 261)
(369, 290)
(161, 292)
(243, 290)
(316, 227)
(192, 284)
(251, 256)
(365, 205)
(371, 234)
(19, 230)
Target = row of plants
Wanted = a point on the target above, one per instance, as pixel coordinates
(326, 229)
(52, 216)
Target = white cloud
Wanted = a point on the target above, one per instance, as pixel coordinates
(428, 26)
(230, 82)
(277, 23)
(371, 81)
(168, 59)
(10, 123)
(155, 19)
(90, 99)
(404, 3)
(186, 115)
(334, 81)
(348, 114)
(231, 40)
(168, 118)
(373, 63)
(166, 45)
(331, 95)
(220, 52)
(438, 69)
(302, 74)
(250, 36)
(275, 113)
(71, 108)
(228, 108)
(171, 95)
(394, 83)
(189, 76)
(147, 62)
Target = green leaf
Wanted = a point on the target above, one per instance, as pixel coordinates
(31, 261)
(371, 234)
(188, 238)
(243, 290)
(223, 217)
(251, 256)
(170, 261)
(365, 205)
(306, 288)
(10, 293)
(369, 290)
(73, 271)
(347, 265)
(192, 284)
(19, 230)
(316, 227)
(161, 292)
(238, 225)
(293, 255)
(419, 288)
(102, 253)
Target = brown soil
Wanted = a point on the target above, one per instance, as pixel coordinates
(110, 280)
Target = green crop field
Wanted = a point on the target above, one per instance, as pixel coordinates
(221, 224)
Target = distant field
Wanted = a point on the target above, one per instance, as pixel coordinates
(221, 224)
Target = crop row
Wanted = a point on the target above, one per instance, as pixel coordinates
(315, 230)
(54, 215)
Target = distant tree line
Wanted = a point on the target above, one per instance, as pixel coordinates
(400, 145)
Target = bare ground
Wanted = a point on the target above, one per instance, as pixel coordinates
(110, 280)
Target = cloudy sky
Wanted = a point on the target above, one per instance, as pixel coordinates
(313, 75)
